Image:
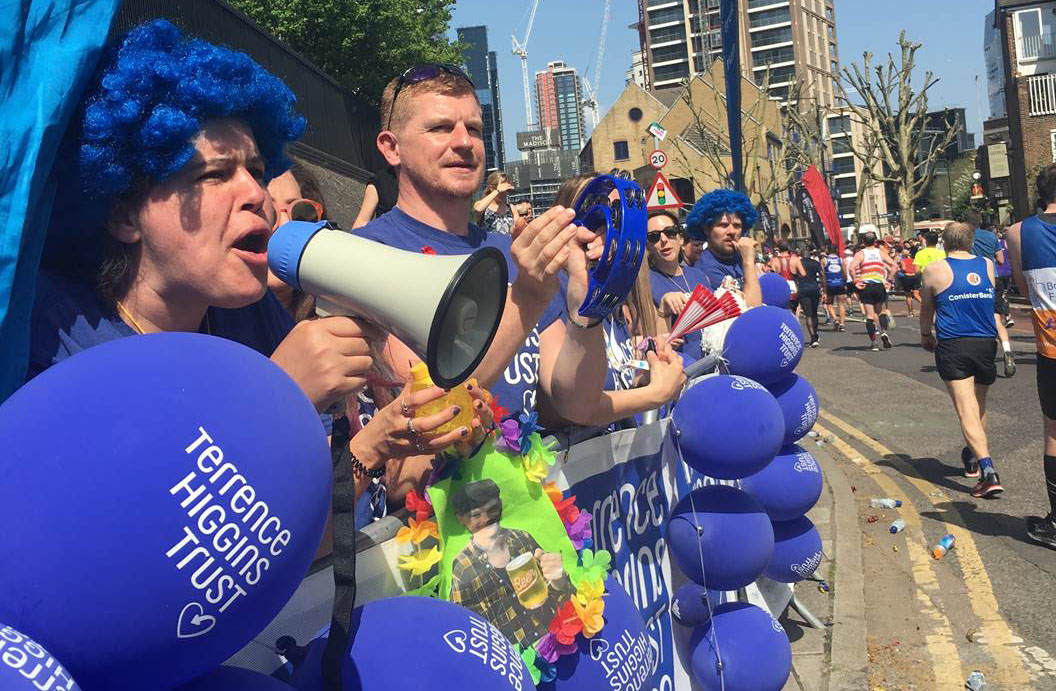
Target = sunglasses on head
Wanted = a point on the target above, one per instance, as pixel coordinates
(653, 236)
(304, 210)
(423, 73)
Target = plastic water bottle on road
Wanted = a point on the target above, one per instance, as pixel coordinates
(944, 546)
(975, 682)
(898, 526)
(885, 503)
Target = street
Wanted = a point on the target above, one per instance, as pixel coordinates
(889, 424)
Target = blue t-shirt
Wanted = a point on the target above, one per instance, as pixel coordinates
(985, 244)
(661, 284)
(717, 269)
(68, 318)
(517, 388)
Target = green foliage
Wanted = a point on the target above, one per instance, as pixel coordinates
(360, 43)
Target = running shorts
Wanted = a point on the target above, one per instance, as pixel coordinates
(873, 294)
(961, 358)
(909, 283)
(833, 292)
(1047, 385)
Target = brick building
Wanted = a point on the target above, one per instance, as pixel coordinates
(1028, 38)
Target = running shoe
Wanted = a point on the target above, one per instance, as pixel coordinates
(814, 343)
(891, 321)
(988, 486)
(971, 466)
(840, 327)
(1010, 364)
(1042, 530)
(886, 339)
(1009, 322)
(875, 348)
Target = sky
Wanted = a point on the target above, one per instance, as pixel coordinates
(951, 32)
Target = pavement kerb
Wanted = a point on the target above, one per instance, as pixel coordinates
(848, 656)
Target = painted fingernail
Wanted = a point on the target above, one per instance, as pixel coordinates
(478, 405)
(463, 432)
(469, 387)
(457, 410)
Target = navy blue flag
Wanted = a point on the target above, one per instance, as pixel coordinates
(48, 51)
(731, 62)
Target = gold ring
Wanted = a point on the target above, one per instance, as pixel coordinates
(405, 409)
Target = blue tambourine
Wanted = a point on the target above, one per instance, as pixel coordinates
(623, 223)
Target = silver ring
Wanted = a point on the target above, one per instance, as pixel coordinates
(418, 444)
(405, 409)
(410, 427)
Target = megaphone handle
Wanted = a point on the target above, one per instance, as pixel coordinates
(381, 374)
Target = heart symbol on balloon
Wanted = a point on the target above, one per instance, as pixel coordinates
(457, 640)
(197, 624)
(598, 647)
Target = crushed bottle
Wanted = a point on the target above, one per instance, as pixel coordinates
(885, 503)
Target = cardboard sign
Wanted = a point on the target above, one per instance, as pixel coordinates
(657, 131)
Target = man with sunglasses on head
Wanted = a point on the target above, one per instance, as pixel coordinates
(433, 136)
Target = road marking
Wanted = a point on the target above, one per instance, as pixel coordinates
(945, 660)
(1002, 643)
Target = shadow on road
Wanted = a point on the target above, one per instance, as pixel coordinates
(967, 515)
(931, 469)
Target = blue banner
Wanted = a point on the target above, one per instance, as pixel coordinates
(729, 12)
(48, 50)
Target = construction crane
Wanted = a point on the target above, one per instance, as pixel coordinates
(590, 100)
(520, 49)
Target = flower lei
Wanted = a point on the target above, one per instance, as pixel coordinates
(580, 615)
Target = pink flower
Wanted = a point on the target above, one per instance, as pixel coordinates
(509, 436)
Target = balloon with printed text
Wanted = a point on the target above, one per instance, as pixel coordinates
(427, 644)
(752, 646)
(186, 496)
(797, 551)
(235, 679)
(720, 537)
(788, 486)
(765, 344)
(775, 289)
(693, 604)
(620, 656)
(799, 406)
(26, 666)
(727, 427)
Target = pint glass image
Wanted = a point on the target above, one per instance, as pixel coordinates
(527, 580)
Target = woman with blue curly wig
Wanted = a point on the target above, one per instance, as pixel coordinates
(163, 225)
(721, 219)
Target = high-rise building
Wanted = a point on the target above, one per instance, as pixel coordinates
(637, 74)
(994, 56)
(794, 39)
(560, 98)
(483, 70)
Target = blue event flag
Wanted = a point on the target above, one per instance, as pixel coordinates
(48, 51)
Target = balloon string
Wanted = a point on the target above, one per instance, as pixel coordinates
(711, 613)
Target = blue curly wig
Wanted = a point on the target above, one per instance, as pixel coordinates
(151, 94)
(713, 205)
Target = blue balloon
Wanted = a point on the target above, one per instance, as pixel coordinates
(693, 604)
(764, 344)
(753, 647)
(620, 656)
(428, 645)
(799, 405)
(797, 551)
(788, 486)
(728, 427)
(235, 679)
(720, 537)
(174, 515)
(775, 289)
(26, 666)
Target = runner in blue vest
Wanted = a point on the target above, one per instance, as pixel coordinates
(958, 294)
(835, 286)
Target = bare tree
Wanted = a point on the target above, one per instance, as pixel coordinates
(893, 115)
(774, 153)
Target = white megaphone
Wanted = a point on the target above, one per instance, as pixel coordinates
(445, 308)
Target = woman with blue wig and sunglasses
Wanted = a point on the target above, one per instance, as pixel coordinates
(163, 222)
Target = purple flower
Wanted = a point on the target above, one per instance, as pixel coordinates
(548, 648)
(509, 436)
(579, 530)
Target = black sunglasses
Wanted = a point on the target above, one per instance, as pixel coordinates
(423, 73)
(653, 236)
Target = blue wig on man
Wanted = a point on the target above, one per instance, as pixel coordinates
(151, 94)
(711, 207)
